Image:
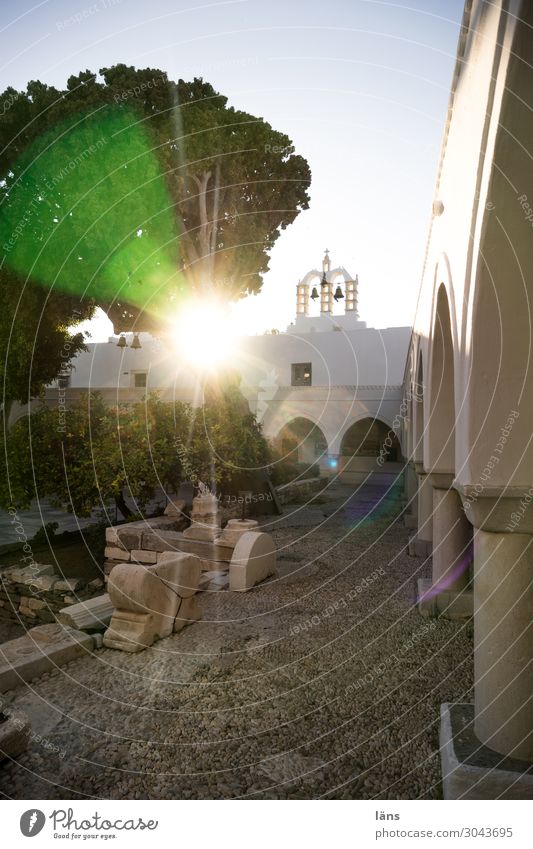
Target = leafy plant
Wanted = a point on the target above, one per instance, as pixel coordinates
(104, 452)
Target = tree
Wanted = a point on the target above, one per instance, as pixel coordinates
(101, 453)
(227, 444)
(139, 189)
(36, 343)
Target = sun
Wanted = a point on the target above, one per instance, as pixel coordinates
(205, 333)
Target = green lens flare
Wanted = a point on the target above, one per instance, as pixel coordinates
(87, 210)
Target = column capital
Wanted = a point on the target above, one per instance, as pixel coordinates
(498, 509)
(441, 480)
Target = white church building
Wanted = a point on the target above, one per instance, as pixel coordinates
(327, 390)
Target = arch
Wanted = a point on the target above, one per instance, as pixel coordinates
(301, 440)
(371, 437)
(441, 423)
(417, 399)
(330, 275)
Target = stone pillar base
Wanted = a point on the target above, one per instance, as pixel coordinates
(447, 604)
(410, 521)
(419, 547)
(471, 770)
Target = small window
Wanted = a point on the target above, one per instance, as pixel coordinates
(63, 381)
(139, 380)
(301, 374)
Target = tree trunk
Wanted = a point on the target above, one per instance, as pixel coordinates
(6, 412)
(122, 506)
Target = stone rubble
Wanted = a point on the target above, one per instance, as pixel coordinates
(297, 690)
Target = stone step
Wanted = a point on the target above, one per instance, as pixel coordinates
(94, 614)
(172, 541)
(41, 650)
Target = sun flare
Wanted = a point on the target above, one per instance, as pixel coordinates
(205, 334)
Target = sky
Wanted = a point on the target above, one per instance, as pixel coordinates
(360, 86)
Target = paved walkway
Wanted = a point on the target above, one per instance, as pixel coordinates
(323, 682)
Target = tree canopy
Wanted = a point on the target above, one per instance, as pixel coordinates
(103, 453)
(130, 190)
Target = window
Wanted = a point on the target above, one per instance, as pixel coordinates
(301, 374)
(63, 381)
(139, 380)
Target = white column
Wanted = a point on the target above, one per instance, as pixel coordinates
(452, 535)
(503, 642)
(425, 508)
(411, 489)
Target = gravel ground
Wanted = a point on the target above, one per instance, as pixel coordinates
(322, 682)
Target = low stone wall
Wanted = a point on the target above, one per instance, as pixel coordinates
(140, 542)
(32, 595)
(300, 489)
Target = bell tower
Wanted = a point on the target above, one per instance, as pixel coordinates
(330, 287)
(302, 298)
(326, 289)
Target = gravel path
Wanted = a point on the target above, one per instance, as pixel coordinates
(323, 682)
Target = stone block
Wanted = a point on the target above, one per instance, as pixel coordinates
(93, 614)
(445, 604)
(95, 585)
(37, 604)
(162, 523)
(68, 585)
(184, 580)
(98, 640)
(188, 612)
(171, 541)
(254, 559)
(419, 547)
(130, 631)
(175, 507)
(141, 556)
(129, 537)
(205, 505)
(471, 770)
(202, 532)
(114, 553)
(242, 525)
(111, 537)
(40, 650)
(161, 540)
(148, 599)
(23, 574)
(210, 519)
(213, 555)
(45, 583)
(14, 733)
(235, 529)
(69, 599)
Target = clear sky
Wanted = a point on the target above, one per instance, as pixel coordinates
(361, 87)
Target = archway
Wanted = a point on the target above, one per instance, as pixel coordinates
(441, 423)
(371, 438)
(302, 441)
(451, 530)
(418, 412)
